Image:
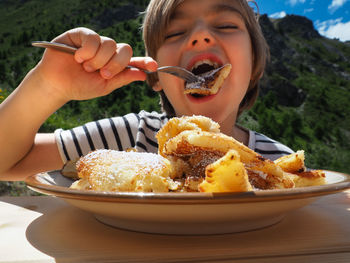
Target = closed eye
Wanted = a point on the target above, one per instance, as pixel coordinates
(174, 35)
(227, 27)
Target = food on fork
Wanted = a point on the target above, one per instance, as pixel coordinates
(212, 82)
(193, 157)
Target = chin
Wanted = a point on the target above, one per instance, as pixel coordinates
(215, 116)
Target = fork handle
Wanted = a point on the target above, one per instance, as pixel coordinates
(70, 50)
(54, 45)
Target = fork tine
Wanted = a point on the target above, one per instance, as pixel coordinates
(179, 72)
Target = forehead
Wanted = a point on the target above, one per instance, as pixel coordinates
(207, 7)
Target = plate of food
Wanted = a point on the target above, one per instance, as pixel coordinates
(201, 182)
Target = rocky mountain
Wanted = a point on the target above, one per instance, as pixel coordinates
(305, 92)
(296, 47)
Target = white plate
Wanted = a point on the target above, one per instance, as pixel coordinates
(187, 213)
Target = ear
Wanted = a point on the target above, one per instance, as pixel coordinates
(157, 86)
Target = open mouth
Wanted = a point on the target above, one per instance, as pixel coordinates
(204, 66)
(213, 76)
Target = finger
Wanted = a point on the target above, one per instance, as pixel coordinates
(105, 52)
(87, 41)
(146, 63)
(118, 62)
(124, 78)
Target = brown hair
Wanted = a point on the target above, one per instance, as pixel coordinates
(156, 20)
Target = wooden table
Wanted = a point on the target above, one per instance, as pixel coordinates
(46, 229)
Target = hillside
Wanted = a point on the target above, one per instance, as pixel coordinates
(305, 93)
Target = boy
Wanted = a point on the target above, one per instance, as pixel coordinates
(191, 34)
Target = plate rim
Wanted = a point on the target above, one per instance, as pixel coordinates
(187, 198)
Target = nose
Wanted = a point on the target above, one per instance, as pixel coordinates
(200, 37)
(195, 41)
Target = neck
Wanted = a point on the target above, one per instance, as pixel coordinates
(231, 129)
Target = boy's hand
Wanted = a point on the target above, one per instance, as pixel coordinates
(96, 69)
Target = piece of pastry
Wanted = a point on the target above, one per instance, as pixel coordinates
(109, 170)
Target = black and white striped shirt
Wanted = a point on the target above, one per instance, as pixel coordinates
(138, 131)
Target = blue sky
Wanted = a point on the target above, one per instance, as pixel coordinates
(330, 17)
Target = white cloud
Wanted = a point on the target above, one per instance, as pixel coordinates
(278, 14)
(334, 28)
(335, 5)
(294, 2)
(309, 10)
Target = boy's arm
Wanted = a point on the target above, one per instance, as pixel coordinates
(43, 156)
(21, 115)
(97, 69)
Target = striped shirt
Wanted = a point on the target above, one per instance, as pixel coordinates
(138, 131)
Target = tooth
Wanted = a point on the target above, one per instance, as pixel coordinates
(205, 61)
(197, 64)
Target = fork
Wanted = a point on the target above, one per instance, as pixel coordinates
(173, 70)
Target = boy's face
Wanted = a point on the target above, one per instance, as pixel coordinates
(207, 31)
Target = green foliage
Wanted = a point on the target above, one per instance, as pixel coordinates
(326, 146)
(15, 189)
(3, 94)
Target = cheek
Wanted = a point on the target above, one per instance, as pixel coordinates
(241, 52)
(249, 57)
(162, 56)
(167, 55)
(170, 84)
(173, 88)
(243, 67)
